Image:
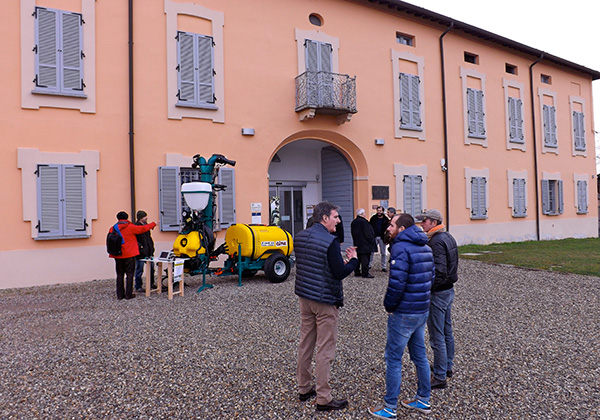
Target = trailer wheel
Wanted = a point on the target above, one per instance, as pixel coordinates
(277, 268)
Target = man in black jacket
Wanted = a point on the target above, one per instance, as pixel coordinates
(439, 323)
(364, 241)
(146, 246)
(379, 222)
(320, 270)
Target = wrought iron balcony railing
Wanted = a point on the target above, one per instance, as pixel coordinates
(326, 93)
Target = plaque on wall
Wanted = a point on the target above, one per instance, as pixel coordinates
(380, 192)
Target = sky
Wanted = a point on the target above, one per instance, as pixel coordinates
(566, 29)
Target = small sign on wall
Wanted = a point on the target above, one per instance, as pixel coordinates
(380, 192)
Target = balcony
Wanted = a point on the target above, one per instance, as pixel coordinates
(327, 94)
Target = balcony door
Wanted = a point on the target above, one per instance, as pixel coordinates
(320, 78)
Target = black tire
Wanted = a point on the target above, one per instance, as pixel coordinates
(277, 268)
(248, 273)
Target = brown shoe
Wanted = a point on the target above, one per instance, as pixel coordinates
(333, 405)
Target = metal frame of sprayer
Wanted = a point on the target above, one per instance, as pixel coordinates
(276, 265)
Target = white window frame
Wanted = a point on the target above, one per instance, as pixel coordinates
(544, 116)
(517, 193)
(552, 192)
(480, 139)
(28, 161)
(36, 98)
(520, 142)
(400, 171)
(215, 113)
(418, 132)
(581, 193)
(578, 128)
(469, 175)
(317, 36)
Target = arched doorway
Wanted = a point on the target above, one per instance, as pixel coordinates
(303, 173)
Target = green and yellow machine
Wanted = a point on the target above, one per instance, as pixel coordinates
(249, 247)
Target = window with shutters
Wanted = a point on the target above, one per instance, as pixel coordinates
(474, 107)
(578, 131)
(409, 92)
(478, 197)
(195, 61)
(195, 71)
(549, 121)
(58, 52)
(515, 120)
(61, 201)
(552, 196)
(319, 82)
(172, 203)
(519, 192)
(582, 196)
(413, 193)
(410, 102)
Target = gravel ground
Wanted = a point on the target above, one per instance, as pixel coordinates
(527, 348)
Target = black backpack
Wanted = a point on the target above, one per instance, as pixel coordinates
(114, 240)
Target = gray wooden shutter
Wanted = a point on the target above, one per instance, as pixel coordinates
(413, 188)
(312, 55)
(471, 112)
(561, 207)
(519, 207)
(515, 120)
(478, 209)
(74, 200)
(553, 139)
(480, 131)
(227, 198)
(582, 202)
(169, 194)
(545, 196)
(46, 48)
(72, 52)
(48, 192)
(415, 101)
(579, 130)
(325, 53)
(405, 113)
(408, 185)
(206, 74)
(185, 66)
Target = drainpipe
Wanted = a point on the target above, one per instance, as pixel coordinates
(535, 156)
(445, 163)
(131, 148)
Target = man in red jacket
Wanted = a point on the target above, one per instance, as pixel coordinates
(125, 263)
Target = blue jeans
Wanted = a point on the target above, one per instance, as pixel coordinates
(441, 338)
(139, 271)
(403, 330)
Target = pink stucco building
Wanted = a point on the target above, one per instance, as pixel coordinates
(358, 102)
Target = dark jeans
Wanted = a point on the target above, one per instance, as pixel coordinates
(139, 271)
(363, 264)
(125, 267)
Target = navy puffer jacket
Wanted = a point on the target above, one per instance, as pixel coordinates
(411, 273)
(314, 279)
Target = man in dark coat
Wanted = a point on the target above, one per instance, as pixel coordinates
(146, 247)
(320, 270)
(439, 324)
(364, 241)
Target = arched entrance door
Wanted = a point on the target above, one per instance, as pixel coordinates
(302, 174)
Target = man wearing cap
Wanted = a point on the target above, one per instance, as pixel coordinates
(146, 247)
(125, 263)
(439, 323)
